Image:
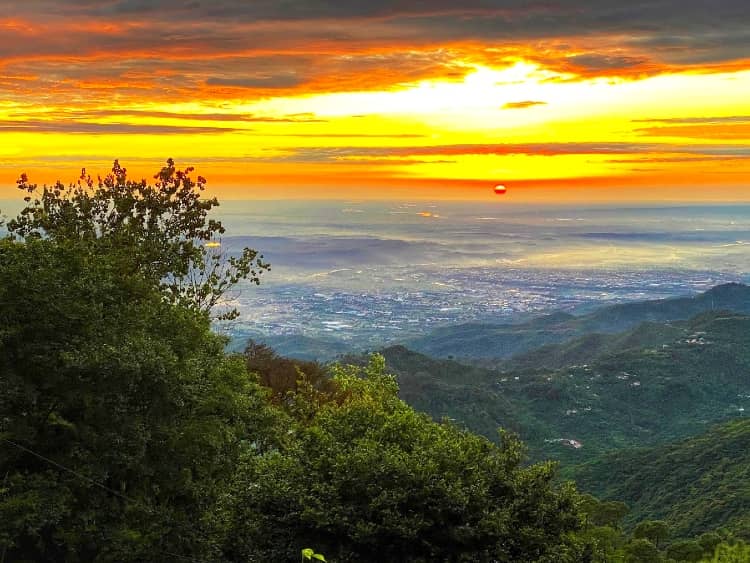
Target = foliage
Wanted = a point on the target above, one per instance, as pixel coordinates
(611, 544)
(308, 554)
(695, 485)
(685, 551)
(281, 375)
(655, 531)
(366, 478)
(709, 541)
(603, 513)
(640, 396)
(730, 553)
(156, 230)
(121, 418)
(642, 551)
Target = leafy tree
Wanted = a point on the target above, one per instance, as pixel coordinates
(655, 531)
(602, 528)
(121, 418)
(158, 230)
(364, 477)
(730, 553)
(603, 513)
(283, 375)
(709, 541)
(641, 550)
(685, 551)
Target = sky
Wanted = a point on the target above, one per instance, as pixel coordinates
(559, 100)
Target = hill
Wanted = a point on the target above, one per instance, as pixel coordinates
(594, 345)
(295, 346)
(696, 485)
(491, 341)
(674, 381)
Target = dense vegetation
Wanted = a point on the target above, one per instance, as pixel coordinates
(693, 484)
(652, 384)
(652, 541)
(127, 433)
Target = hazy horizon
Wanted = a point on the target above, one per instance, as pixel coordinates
(367, 272)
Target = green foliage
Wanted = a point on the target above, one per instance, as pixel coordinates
(730, 553)
(637, 397)
(121, 419)
(309, 554)
(366, 478)
(656, 531)
(695, 485)
(601, 528)
(156, 230)
(685, 551)
(607, 513)
(709, 541)
(642, 551)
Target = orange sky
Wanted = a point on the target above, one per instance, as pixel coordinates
(574, 101)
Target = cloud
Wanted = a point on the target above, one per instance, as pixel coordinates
(523, 105)
(358, 44)
(350, 135)
(676, 159)
(285, 80)
(346, 154)
(601, 62)
(105, 128)
(691, 120)
(710, 130)
(92, 113)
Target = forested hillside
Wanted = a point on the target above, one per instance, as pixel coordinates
(653, 384)
(695, 485)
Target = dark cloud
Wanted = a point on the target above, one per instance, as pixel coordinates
(599, 62)
(181, 49)
(255, 82)
(678, 30)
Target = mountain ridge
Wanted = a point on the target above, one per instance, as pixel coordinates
(482, 341)
(672, 385)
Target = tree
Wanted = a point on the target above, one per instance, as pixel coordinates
(121, 419)
(641, 550)
(159, 230)
(685, 551)
(364, 477)
(282, 375)
(655, 531)
(603, 513)
(738, 552)
(709, 541)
